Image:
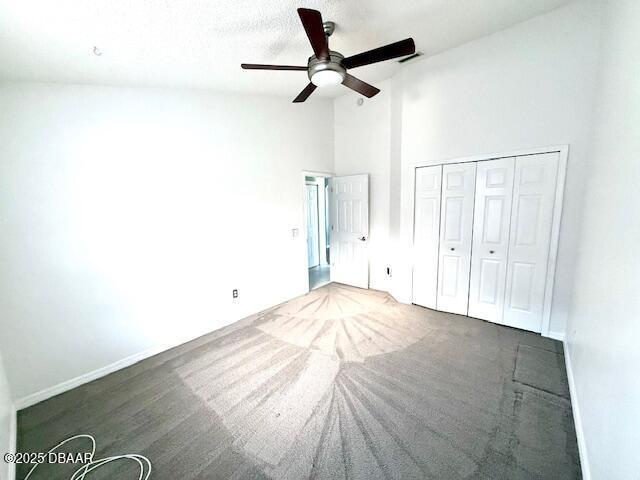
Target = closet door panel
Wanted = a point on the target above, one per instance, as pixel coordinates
(456, 227)
(531, 222)
(426, 235)
(491, 219)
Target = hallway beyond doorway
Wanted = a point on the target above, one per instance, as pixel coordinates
(317, 229)
(318, 276)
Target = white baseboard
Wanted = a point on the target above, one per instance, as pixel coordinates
(400, 297)
(577, 418)
(13, 436)
(54, 390)
(49, 392)
(556, 336)
(67, 385)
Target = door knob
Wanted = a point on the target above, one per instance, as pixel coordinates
(363, 239)
(491, 251)
(452, 249)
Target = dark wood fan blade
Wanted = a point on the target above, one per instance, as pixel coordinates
(359, 86)
(257, 66)
(393, 50)
(304, 94)
(312, 23)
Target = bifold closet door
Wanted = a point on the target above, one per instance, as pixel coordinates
(456, 228)
(426, 235)
(491, 223)
(534, 191)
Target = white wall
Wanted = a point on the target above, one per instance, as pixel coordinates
(129, 215)
(604, 321)
(362, 145)
(531, 85)
(7, 418)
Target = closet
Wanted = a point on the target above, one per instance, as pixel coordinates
(482, 238)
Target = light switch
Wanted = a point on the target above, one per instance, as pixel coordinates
(294, 232)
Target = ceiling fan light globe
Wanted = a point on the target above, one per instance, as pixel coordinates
(326, 78)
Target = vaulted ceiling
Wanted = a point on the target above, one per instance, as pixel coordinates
(201, 43)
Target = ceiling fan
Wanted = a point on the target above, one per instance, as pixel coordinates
(327, 67)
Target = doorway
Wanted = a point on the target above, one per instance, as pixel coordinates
(318, 240)
(336, 229)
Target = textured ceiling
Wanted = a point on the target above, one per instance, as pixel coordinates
(201, 43)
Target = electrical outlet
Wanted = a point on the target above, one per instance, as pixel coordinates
(235, 293)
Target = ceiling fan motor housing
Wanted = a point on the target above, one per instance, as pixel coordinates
(333, 63)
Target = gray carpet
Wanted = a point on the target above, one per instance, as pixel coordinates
(339, 383)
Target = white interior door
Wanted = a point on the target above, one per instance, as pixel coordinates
(313, 240)
(456, 228)
(531, 222)
(426, 235)
(491, 223)
(349, 217)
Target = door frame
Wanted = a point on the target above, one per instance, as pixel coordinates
(303, 231)
(563, 151)
(315, 185)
